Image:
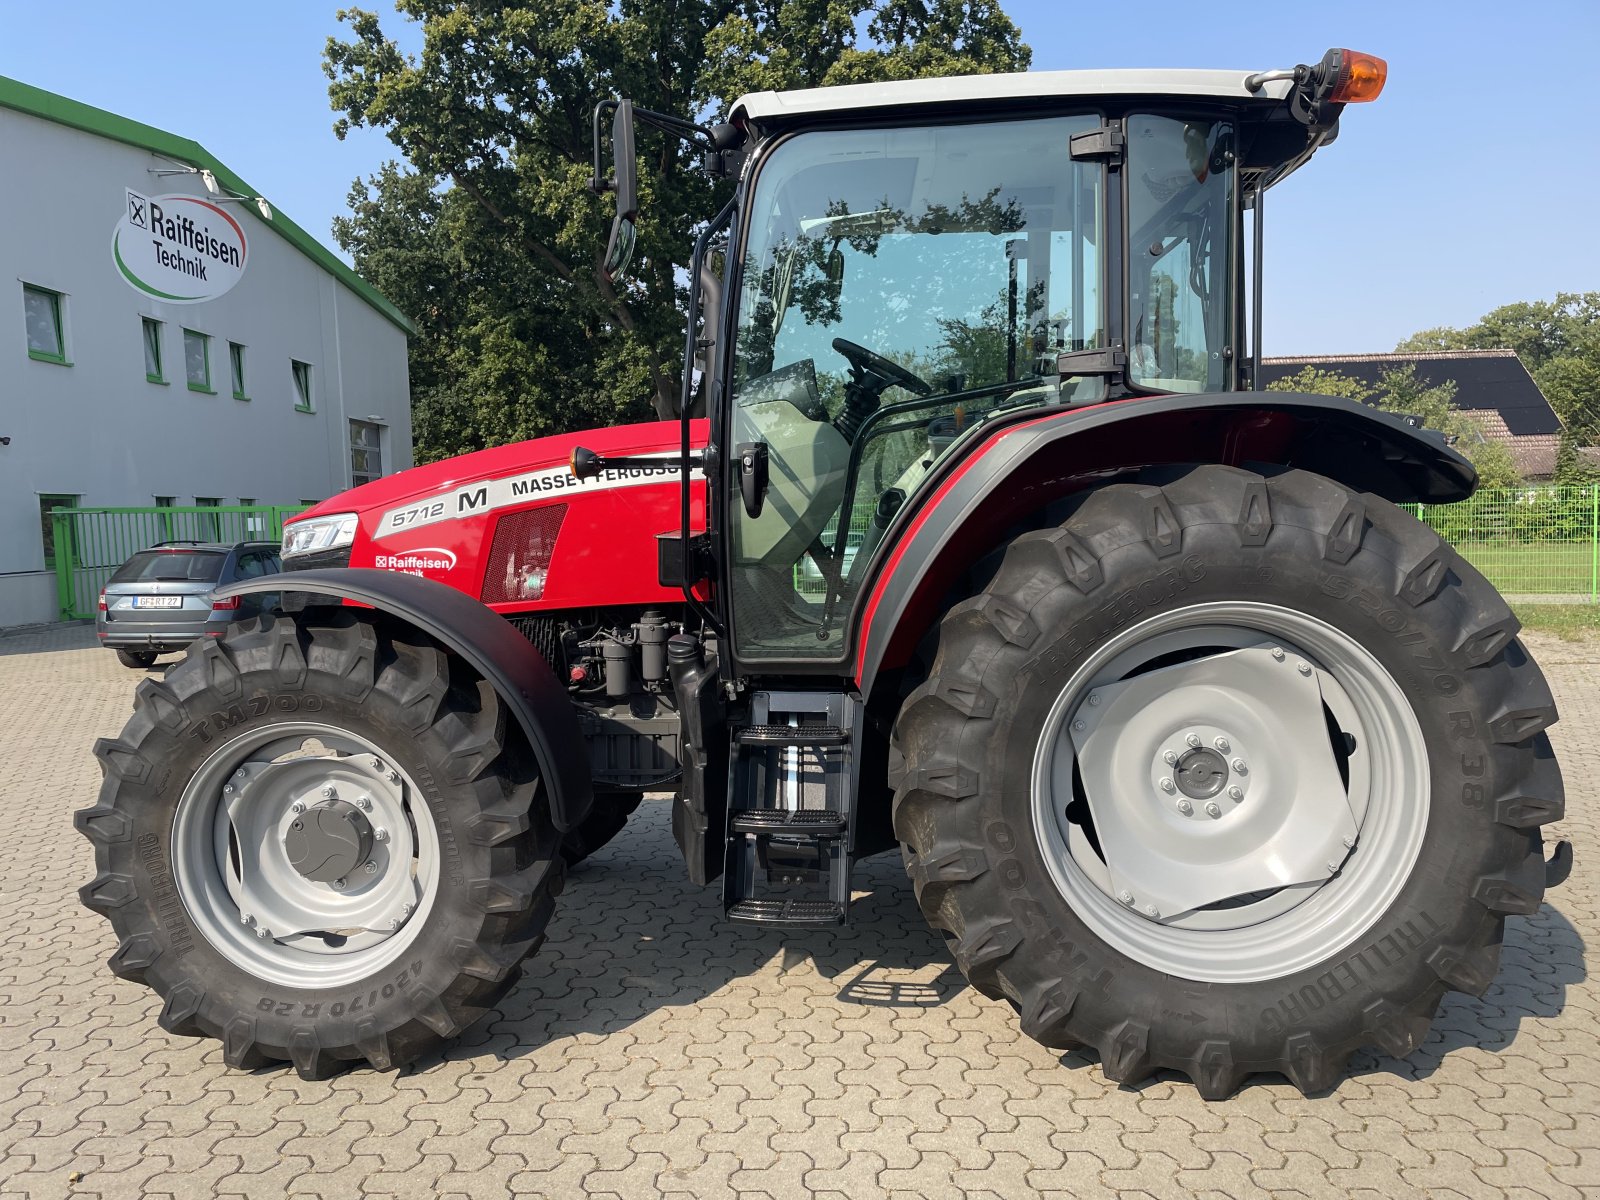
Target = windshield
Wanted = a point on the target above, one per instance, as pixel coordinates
(188, 566)
(900, 288)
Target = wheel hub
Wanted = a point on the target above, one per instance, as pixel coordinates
(329, 841)
(1201, 774)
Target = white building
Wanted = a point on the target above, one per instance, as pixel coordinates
(168, 338)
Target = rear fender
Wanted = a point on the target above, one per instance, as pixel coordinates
(1019, 469)
(514, 668)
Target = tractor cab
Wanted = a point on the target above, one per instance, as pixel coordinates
(903, 270)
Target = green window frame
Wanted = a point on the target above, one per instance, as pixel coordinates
(47, 332)
(236, 370)
(150, 331)
(304, 401)
(193, 338)
(48, 502)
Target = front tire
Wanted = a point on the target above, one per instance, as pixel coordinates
(236, 793)
(137, 660)
(1170, 601)
(604, 820)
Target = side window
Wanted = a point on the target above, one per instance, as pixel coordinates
(1180, 205)
(250, 566)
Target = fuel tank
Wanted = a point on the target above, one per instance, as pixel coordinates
(513, 527)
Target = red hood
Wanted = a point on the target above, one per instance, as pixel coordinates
(499, 461)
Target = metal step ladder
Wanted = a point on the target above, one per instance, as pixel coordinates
(790, 778)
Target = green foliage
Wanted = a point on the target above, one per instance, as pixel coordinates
(1557, 340)
(488, 235)
(1401, 391)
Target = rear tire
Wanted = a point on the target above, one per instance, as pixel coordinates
(402, 733)
(137, 660)
(604, 820)
(1129, 556)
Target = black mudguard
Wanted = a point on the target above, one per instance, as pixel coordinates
(489, 644)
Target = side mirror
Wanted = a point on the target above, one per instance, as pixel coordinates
(619, 249)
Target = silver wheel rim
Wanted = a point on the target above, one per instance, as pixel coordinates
(1335, 852)
(233, 870)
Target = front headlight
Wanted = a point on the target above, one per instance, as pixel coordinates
(319, 533)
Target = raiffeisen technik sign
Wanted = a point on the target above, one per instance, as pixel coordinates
(178, 248)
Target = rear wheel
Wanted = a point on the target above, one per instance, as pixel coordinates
(1231, 775)
(321, 843)
(138, 660)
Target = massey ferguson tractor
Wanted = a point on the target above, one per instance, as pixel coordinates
(973, 537)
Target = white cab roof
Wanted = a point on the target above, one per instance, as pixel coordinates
(975, 89)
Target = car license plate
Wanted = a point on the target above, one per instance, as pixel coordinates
(157, 601)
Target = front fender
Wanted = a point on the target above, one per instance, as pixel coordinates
(1021, 467)
(514, 668)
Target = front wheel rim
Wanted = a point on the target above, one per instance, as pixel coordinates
(1363, 858)
(232, 841)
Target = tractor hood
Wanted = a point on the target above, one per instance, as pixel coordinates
(502, 462)
(513, 527)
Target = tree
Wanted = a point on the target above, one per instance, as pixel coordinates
(1557, 340)
(489, 236)
(1401, 391)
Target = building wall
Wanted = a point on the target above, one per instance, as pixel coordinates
(97, 428)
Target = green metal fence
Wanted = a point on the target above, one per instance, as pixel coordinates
(90, 543)
(1533, 543)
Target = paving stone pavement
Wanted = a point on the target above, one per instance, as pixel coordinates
(654, 1051)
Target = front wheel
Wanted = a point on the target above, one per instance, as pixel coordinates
(1230, 775)
(321, 841)
(138, 660)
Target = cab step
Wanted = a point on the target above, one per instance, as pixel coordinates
(791, 735)
(794, 913)
(776, 822)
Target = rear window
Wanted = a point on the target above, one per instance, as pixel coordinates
(176, 566)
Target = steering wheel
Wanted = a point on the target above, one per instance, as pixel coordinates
(890, 374)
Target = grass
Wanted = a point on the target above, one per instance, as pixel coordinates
(1536, 568)
(1570, 622)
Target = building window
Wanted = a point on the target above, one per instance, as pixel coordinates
(366, 452)
(197, 360)
(151, 329)
(302, 385)
(47, 525)
(236, 370)
(47, 340)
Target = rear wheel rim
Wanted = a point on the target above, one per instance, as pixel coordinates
(1279, 930)
(233, 870)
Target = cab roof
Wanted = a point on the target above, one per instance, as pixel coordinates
(1019, 86)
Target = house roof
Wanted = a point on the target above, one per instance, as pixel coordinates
(1021, 85)
(36, 102)
(1487, 381)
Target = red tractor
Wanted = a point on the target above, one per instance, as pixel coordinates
(972, 538)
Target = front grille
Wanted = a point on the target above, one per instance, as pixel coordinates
(520, 555)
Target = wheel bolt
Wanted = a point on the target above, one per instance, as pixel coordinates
(394, 924)
(328, 792)
(1236, 793)
(394, 776)
(1277, 653)
(1168, 786)
(1194, 741)
(1151, 911)
(1239, 767)
(297, 807)
(371, 868)
(380, 834)
(1333, 867)
(264, 933)
(1170, 758)
(248, 918)
(1213, 809)
(1222, 744)
(1094, 697)
(1304, 668)
(1185, 807)
(340, 882)
(227, 789)
(1078, 726)
(364, 803)
(405, 911)
(1349, 843)
(1125, 896)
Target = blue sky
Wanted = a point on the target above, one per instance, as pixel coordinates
(1472, 182)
